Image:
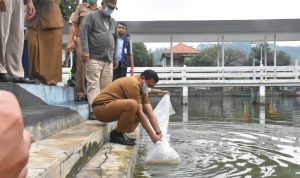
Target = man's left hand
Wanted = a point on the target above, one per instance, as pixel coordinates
(164, 92)
(131, 71)
(115, 66)
(30, 10)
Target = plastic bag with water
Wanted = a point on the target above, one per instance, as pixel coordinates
(161, 152)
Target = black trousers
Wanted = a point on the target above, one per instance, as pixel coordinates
(119, 72)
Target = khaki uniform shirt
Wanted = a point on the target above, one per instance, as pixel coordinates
(47, 15)
(123, 88)
(81, 10)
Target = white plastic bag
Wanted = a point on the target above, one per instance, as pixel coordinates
(161, 152)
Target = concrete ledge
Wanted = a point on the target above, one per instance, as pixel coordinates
(64, 153)
(113, 160)
(58, 96)
(44, 120)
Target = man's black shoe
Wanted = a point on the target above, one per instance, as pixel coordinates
(23, 80)
(92, 116)
(118, 137)
(5, 78)
(79, 99)
(128, 138)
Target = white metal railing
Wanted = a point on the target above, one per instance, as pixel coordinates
(226, 76)
(221, 76)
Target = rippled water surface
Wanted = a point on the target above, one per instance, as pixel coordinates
(230, 137)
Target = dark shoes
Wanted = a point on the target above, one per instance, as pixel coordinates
(92, 116)
(120, 138)
(7, 78)
(128, 138)
(80, 99)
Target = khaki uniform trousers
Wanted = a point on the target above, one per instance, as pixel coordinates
(80, 71)
(122, 110)
(45, 53)
(12, 38)
(98, 76)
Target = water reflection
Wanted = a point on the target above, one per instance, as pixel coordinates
(231, 137)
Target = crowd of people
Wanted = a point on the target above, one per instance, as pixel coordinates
(104, 52)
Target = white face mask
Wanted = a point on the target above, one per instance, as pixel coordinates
(146, 89)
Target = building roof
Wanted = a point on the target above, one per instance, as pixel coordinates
(215, 30)
(182, 49)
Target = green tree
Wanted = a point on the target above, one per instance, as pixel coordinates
(208, 57)
(141, 56)
(67, 7)
(283, 59)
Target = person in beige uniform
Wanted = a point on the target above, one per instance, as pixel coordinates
(125, 100)
(12, 39)
(75, 29)
(45, 42)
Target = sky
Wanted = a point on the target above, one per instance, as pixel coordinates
(152, 10)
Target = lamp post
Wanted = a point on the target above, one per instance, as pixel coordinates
(253, 46)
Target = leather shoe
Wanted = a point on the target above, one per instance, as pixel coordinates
(23, 80)
(91, 116)
(118, 137)
(5, 78)
(79, 99)
(128, 138)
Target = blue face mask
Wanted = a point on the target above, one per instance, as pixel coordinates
(107, 11)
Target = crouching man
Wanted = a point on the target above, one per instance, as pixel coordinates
(126, 100)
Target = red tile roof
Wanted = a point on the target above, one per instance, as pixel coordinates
(182, 49)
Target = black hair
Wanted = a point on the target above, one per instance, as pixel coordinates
(150, 74)
(122, 23)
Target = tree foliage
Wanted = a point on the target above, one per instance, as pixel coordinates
(282, 58)
(141, 56)
(208, 57)
(67, 7)
(237, 57)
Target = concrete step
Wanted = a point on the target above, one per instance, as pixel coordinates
(62, 154)
(41, 118)
(58, 96)
(44, 120)
(112, 160)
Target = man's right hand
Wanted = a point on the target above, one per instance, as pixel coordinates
(155, 138)
(70, 47)
(2, 6)
(85, 57)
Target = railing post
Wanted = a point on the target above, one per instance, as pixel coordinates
(254, 72)
(296, 69)
(185, 88)
(183, 74)
(261, 68)
(171, 71)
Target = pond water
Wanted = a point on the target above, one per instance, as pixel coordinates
(230, 137)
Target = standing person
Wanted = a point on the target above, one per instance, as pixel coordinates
(125, 56)
(125, 100)
(14, 140)
(45, 42)
(12, 39)
(77, 19)
(99, 48)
